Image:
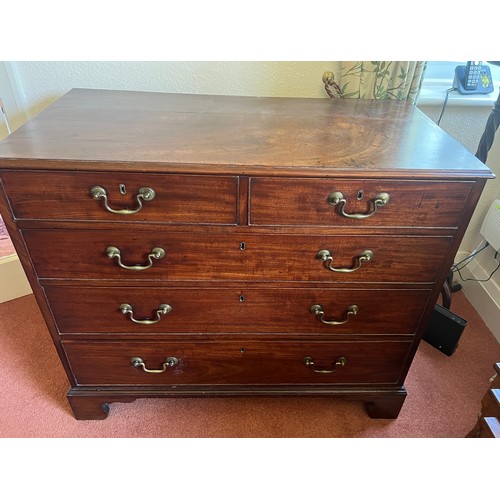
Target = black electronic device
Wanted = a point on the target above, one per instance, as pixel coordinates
(444, 330)
(473, 78)
(472, 74)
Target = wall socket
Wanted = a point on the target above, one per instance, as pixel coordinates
(490, 230)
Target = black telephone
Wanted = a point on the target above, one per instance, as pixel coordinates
(474, 78)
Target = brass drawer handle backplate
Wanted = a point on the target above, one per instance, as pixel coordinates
(161, 311)
(317, 310)
(145, 193)
(337, 198)
(327, 258)
(339, 363)
(156, 253)
(139, 363)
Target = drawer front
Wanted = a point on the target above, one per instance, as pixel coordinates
(235, 310)
(302, 202)
(104, 363)
(118, 254)
(67, 196)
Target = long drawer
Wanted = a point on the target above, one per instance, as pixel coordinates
(118, 254)
(140, 310)
(318, 202)
(190, 199)
(104, 363)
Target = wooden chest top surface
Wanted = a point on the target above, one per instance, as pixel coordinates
(121, 130)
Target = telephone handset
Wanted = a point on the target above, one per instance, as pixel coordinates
(474, 78)
(471, 75)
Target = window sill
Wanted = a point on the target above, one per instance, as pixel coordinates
(433, 93)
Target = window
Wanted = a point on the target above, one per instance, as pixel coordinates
(439, 77)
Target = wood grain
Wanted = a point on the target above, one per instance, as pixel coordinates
(81, 254)
(236, 310)
(108, 363)
(276, 201)
(105, 129)
(189, 199)
(241, 209)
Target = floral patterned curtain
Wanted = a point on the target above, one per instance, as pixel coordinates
(376, 80)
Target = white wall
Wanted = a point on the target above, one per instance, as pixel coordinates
(43, 82)
(12, 101)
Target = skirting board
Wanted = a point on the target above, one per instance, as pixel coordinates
(13, 282)
(484, 296)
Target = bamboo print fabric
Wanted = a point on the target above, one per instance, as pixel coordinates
(381, 79)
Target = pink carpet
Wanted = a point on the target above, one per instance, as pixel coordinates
(444, 395)
(6, 246)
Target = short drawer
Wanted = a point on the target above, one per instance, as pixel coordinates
(195, 256)
(331, 202)
(102, 363)
(189, 199)
(112, 310)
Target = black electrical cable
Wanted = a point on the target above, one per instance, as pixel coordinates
(444, 104)
(455, 266)
(487, 279)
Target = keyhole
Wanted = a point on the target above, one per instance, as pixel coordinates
(122, 188)
(242, 298)
(242, 350)
(359, 196)
(243, 245)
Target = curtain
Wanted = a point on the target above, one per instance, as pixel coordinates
(376, 80)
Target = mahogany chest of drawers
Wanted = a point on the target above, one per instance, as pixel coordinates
(190, 245)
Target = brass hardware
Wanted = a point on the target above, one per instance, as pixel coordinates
(156, 253)
(122, 189)
(145, 193)
(243, 245)
(339, 363)
(242, 298)
(139, 363)
(317, 310)
(337, 198)
(162, 310)
(327, 258)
